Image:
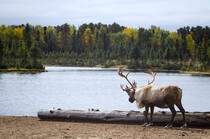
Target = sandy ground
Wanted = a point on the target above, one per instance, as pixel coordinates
(33, 128)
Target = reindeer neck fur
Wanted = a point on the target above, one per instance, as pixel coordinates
(141, 93)
(146, 92)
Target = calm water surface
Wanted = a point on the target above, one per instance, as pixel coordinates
(83, 88)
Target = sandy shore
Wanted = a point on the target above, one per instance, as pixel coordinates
(32, 127)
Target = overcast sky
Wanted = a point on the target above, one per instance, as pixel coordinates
(166, 14)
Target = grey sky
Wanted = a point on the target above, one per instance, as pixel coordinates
(167, 14)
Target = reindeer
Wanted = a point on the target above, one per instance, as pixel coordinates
(149, 96)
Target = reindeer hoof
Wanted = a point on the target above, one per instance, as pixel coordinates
(145, 124)
(150, 124)
(184, 125)
(168, 126)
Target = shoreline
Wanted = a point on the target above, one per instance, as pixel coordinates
(22, 70)
(195, 73)
(206, 73)
(33, 127)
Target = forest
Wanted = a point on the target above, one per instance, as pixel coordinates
(31, 46)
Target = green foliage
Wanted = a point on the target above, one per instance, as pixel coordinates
(35, 53)
(1, 53)
(190, 44)
(16, 46)
(35, 50)
(107, 45)
(208, 52)
(23, 55)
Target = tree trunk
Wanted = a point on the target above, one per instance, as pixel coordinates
(132, 117)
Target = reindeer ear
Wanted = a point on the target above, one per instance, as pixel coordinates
(134, 84)
(121, 86)
(126, 87)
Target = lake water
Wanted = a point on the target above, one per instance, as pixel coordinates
(84, 88)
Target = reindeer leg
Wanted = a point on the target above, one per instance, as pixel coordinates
(179, 105)
(145, 116)
(171, 107)
(151, 114)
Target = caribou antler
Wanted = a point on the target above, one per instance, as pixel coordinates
(126, 77)
(149, 71)
(124, 89)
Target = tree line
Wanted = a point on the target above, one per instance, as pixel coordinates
(91, 44)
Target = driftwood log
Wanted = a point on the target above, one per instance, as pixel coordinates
(201, 119)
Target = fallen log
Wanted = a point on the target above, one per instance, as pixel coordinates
(201, 119)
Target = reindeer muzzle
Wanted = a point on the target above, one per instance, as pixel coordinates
(131, 100)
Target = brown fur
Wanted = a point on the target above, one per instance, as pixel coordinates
(172, 93)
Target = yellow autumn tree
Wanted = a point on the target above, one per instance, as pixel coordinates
(88, 39)
(18, 33)
(41, 34)
(190, 44)
(156, 38)
(131, 34)
(59, 41)
(180, 39)
(174, 36)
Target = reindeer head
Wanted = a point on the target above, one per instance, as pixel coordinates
(130, 91)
